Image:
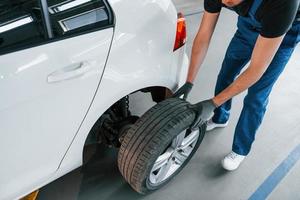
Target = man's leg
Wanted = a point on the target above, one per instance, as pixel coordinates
(256, 101)
(237, 56)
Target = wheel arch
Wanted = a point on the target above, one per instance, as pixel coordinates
(75, 155)
(158, 94)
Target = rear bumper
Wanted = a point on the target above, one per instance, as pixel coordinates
(182, 76)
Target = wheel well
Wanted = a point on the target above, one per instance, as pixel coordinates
(158, 94)
(110, 125)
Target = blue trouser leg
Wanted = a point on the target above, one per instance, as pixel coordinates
(237, 56)
(256, 101)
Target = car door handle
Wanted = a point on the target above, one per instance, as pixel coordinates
(69, 72)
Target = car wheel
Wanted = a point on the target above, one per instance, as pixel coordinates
(158, 146)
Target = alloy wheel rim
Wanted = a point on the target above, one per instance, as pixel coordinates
(174, 157)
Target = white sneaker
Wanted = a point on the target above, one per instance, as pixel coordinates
(212, 125)
(232, 161)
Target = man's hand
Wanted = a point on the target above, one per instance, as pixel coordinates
(184, 90)
(204, 110)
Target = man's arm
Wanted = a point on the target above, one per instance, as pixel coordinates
(201, 43)
(262, 56)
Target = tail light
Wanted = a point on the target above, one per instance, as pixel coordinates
(181, 32)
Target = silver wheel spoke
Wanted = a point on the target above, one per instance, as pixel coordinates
(190, 139)
(162, 160)
(164, 171)
(180, 157)
(178, 140)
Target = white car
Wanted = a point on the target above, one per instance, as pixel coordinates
(66, 70)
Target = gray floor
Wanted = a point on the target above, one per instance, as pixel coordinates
(203, 177)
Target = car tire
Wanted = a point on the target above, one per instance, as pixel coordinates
(152, 139)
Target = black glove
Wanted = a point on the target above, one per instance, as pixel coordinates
(184, 90)
(204, 110)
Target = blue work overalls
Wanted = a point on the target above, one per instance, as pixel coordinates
(237, 56)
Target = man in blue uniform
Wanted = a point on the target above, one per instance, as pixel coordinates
(268, 31)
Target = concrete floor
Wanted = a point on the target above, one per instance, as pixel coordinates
(203, 177)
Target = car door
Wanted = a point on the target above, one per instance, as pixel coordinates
(50, 67)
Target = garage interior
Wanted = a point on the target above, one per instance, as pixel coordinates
(271, 170)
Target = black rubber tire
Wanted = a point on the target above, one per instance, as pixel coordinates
(149, 137)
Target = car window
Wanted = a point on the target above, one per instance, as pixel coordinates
(76, 16)
(24, 24)
(20, 24)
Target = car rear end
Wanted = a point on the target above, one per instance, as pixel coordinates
(180, 60)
